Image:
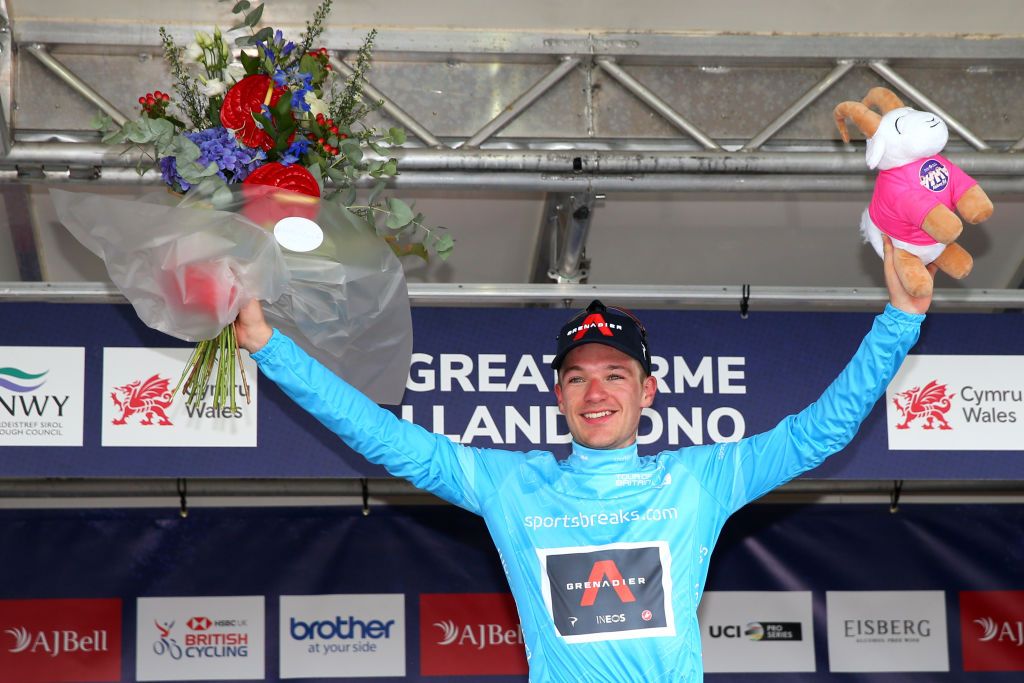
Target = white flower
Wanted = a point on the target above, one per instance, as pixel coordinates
(204, 38)
(233, 73)
(213, 87)
(316, 105)
(193, 52)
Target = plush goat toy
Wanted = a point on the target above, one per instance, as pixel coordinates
(916, 191)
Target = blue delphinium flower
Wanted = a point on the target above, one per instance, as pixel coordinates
(295, 151)
(235, 161)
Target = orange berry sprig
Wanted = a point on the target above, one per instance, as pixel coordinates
(326, 128)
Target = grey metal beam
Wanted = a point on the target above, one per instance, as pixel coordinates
(648, 97)
(445, 44)
(198, 488)
(888, 73)
(572, 215)
(510, 294)
(523, 102)
(546, 182)
(76, 83)
(6, 78)
(581, 162)
(841, 69)
(19, 221)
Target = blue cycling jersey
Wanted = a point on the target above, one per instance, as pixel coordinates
(606, 552)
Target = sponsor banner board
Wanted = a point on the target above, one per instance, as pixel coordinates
(756, 631)
(887, 631)
(482, 376)
(470, 634)
(60, 641)
(42, 395)
(140, 407)
(992, 630)
(199, 638)
(957, 403)
(342, 636)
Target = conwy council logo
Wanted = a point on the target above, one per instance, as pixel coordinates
(929, 403)
(19, 381)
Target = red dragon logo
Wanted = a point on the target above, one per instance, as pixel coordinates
(149, 398)
(930, 403)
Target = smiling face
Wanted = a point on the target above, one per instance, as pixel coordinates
(601, 391)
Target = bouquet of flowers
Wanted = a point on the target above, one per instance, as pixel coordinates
(270, 141)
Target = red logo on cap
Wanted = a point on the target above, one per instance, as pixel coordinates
(593, 320)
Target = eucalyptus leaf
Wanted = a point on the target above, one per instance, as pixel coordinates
(352, 152)
(244, 41)
(357, 221)
(375, 192)
(397, 135)
(336, 174)
(237, 26)
(390, 168)
(350, 196)
(401, 214)
(263, 35)
(444, 246)
(253, 17)
(314, 170)
(240, 6)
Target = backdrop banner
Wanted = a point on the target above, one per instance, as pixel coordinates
(85, 392)
(417, 593)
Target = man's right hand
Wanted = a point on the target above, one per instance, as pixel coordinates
(251, 327)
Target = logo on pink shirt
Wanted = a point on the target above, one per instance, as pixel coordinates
(934, 176)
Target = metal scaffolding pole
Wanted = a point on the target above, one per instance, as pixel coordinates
(579, 162)
(512, 294)
(523, 102)
(76, 83)
(656, 103)
(542, 182)
(800, 105)
(389, 106)
(885, 71)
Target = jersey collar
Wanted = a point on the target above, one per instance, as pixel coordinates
(585, 460)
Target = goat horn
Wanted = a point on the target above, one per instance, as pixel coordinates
(864, 118)
(882, 98)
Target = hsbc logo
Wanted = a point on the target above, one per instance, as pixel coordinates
(199, 623)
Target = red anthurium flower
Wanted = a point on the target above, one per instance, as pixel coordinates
(206, 289)
(267, 207)
(245, 98)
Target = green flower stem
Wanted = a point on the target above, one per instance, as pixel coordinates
(223, 352)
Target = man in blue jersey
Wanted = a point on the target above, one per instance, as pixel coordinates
(606, 551)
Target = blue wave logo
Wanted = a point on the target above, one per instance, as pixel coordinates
(15, 379)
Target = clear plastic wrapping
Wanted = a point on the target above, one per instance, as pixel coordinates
(187, 266)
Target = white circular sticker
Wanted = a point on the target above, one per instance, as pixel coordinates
(298, 234)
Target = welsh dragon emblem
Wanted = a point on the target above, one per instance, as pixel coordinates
(150, 398)
(930, 403)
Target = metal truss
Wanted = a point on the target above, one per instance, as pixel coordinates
(571, 115)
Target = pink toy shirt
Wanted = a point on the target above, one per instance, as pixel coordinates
(904, 196)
